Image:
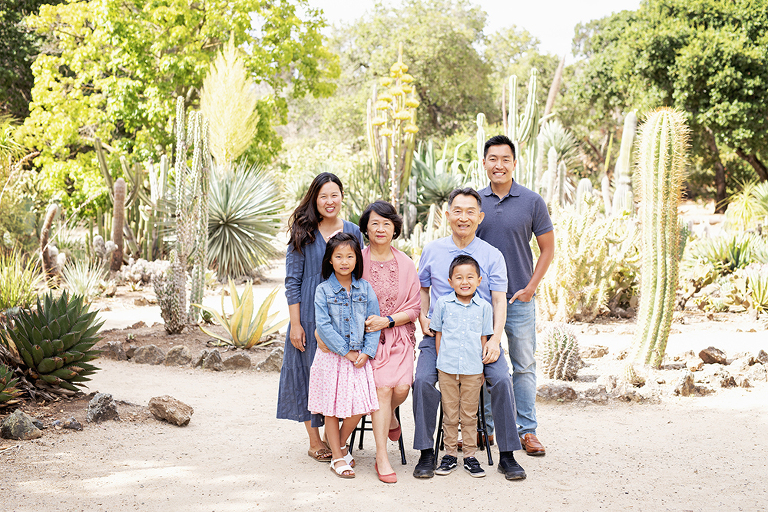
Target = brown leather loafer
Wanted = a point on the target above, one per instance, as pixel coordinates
(531, 445)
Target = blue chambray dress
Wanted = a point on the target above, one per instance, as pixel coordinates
(302, 276)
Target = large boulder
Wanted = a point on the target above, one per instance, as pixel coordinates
(169, 409)
(113, 350)
(20, 426)
(210, 360)
(559, 392)
(237, 361)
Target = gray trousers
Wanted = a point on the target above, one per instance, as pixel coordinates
(426, 399)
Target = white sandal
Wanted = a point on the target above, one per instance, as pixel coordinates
(341, 469)
(350, 460)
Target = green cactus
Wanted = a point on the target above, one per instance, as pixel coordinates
(520, 129)
(118, 220)
(583, 193)
(661, 168)
(623, 200)
(559, 353)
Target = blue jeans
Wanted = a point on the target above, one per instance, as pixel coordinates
(521, 335)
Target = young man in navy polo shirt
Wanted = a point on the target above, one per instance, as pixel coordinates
(513, 214)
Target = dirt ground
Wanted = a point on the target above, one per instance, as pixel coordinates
(666, 453)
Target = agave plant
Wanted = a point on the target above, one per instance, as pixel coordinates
(19, 280)
(83, 278)
(244, 329)
(244, 217)
(56, 340)
(8, 390)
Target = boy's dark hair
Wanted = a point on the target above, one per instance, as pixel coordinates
(338, 240)
(387, 211)
(499, 140)
(463, 259)
(468, 191)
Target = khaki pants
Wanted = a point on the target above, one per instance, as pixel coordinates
(460, 396)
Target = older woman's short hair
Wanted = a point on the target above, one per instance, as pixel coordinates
(387, 211)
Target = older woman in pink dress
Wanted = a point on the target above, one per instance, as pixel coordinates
(393, 277)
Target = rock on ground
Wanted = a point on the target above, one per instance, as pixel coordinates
(20, 426)
(113, 350)
(169, 409)
(273, 362)
(593, 351)
(712, 355)
(238, 361)
(178, 356)
(555, 391)
(149, 354)
(210, 360)
(102, 408)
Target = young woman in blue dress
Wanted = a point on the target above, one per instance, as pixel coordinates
(315, 220)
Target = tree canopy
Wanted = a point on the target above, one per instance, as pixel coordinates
(114, 68)
(706, 57)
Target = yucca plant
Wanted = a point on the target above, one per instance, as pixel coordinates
(757, 286)
(8, 391)
(244, 217)
(19, 279)
(244, 329)
(83, 278)
(55, 341)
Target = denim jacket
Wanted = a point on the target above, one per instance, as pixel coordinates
(341, 322)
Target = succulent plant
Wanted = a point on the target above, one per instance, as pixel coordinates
(244, 329)
(560, 353)
(8, 390)
(662, 168)
(55, 341)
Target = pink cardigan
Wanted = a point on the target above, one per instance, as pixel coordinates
(408, 300)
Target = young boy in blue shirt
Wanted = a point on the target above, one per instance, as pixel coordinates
(462, 321)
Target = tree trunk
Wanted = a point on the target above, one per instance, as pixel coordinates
(555, 87)
(720, 204)
(757, 165)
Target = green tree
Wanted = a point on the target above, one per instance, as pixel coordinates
(706, 57)
(117, 66)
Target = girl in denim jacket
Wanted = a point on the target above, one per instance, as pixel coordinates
(341, 381)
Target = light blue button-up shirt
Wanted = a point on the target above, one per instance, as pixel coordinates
(461, 325)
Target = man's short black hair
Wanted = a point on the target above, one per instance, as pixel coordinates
(387, 211)
(499, 140)
(468, 191)
(463, 259)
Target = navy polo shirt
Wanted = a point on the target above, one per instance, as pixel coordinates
(508, 225)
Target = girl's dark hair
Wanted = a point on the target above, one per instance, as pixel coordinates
(338, 240)
(305, 218)
(387, 211)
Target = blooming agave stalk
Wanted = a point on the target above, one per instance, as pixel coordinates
(661, 167)
(391, 128)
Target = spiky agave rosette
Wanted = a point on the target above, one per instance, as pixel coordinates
(8, 389)
(56, 341)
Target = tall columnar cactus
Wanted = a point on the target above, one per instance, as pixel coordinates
(118, 221)
(200, 170)
(391, 128)
(46, 254)
(623, 200)
(522, 129)
(661, 168)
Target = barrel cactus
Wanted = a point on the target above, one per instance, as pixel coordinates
(8, 389)
(55, 341)
(560, 353)
(661, 167)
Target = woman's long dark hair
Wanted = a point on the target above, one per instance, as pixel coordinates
(305, 218)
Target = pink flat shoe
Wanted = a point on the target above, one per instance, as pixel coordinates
(394, 433)
(387, 479)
